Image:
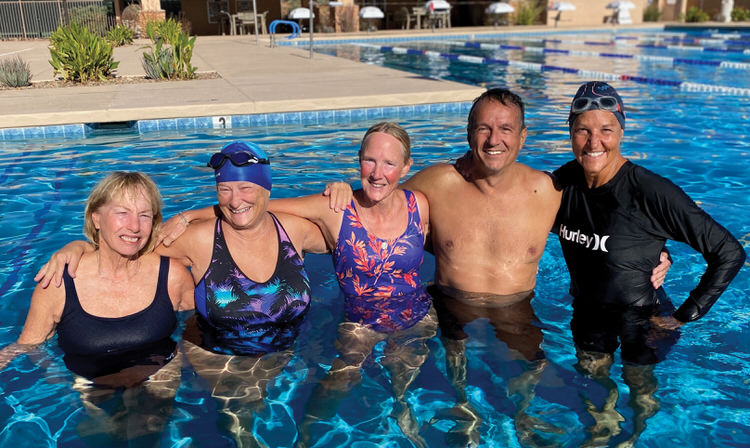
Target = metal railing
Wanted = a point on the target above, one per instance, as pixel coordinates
(31, 19)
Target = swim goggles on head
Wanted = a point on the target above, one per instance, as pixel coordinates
(241, 158)
(608, 103)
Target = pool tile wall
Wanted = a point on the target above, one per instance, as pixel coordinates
(336, 116)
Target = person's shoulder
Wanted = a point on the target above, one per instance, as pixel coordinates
(647, 180)
(568, 173)
(438, 170)
(537, 179)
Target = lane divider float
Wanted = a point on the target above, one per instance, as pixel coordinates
(590, 74)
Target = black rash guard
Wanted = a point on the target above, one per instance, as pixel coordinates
(611, 237)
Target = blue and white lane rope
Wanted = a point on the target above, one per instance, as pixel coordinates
(590, 74)
(621, 43)
(640, 57)
(691, 40)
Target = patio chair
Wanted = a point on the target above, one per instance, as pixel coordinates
(247, 19)
(405, 19)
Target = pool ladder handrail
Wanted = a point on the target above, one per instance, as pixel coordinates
(296, 30)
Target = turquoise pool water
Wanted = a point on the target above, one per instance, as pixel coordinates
(697, 139)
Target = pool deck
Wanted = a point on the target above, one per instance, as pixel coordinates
(254, 78)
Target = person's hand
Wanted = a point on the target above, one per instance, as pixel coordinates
(70, 254)
(659, 274)
(171, 229)
(666, 322)
(339, 195)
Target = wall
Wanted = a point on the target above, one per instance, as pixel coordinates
(592, 12)
(196, 11)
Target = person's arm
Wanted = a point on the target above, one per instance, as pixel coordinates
(316, 209)
(69, 255)
(339, 195)
(175, 226)
(305, 235)
(180, 286)
(424, 213)
(684, 221)
(44, 313)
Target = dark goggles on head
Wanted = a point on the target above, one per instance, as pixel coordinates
(608, 103)
(237, 158)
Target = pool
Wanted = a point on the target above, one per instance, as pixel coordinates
(699, 139)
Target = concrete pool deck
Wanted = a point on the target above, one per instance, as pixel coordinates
(254, 79)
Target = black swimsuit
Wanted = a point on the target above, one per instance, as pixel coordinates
(96, 346)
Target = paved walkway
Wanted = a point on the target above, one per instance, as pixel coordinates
(254, 79)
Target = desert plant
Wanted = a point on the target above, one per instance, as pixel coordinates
(171, 51)
(651, 13)
(80, 55)
(167, 30)
(120, 35)
(740, 14)
(15, 72)
(528, 12)
(158, 63)
(695, 14)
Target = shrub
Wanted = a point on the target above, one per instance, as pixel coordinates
(740, 14)
(695, 14)
(15, 72)
(651, 13)
(80, 55)
(167, 30)
(120, 35)
(528, 12)
(171, 51)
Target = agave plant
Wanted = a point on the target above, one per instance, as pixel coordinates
(15, 72)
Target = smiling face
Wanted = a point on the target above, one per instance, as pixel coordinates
(242, 203)
(497, 135)
(382, 165)
(124, 223)
(595, 136)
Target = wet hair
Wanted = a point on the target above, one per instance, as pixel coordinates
(395, 131)
(117, 185)
(502, 96)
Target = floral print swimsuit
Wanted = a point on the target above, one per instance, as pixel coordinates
(379, 277)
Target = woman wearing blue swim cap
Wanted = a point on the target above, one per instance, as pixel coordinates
(378, 246)
(251, 289)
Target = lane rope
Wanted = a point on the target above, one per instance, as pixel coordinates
(590, 74)
(640, 57)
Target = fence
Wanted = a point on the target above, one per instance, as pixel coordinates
(30, 19)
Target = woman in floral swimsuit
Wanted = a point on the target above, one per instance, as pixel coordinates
(378, 246)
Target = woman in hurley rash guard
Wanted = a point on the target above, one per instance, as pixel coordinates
(614, 220)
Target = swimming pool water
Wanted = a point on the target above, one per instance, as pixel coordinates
(699, 140)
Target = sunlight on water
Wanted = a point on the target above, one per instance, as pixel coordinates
(698, 140)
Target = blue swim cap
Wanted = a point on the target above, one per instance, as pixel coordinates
(242, 161)
(597, 95)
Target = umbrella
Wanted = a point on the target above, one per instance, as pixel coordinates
(621, 4)
(371, 12)
(437, 5)
(562, 6)
(499, 8)
(300, 13)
